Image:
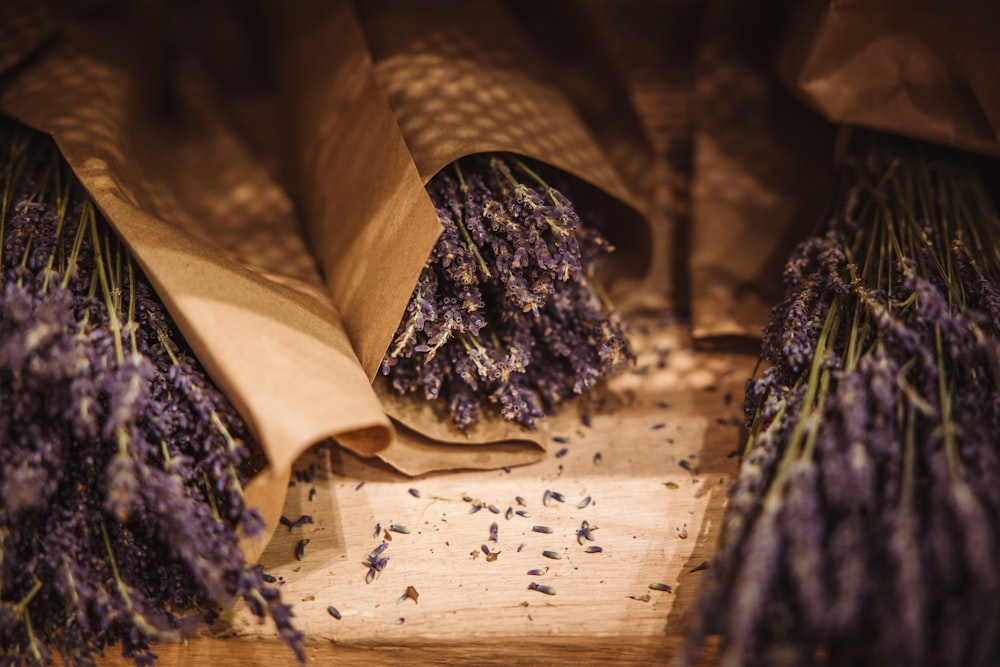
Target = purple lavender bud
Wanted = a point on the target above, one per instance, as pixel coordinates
(517, 322)
(120, 474)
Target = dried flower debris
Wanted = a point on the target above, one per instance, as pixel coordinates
(409, 594)
(541, 588)
(375, 561)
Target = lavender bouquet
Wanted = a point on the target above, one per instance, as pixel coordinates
(120, 462)
(508, 312)
(864, 525)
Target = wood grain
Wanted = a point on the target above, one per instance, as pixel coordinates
(654, 519)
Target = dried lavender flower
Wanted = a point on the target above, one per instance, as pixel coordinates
(121, 470)
(508, 313)
(864, 524)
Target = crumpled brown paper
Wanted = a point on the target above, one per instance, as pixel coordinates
(448, 80)
(762, 168)
(921, 68)
(214, 234)
(762, 164)
(27, 25)
(162, 154)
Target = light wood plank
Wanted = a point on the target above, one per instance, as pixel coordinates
(655, 520)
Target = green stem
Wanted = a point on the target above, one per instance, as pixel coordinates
(909, 458)
(62, 202)
(21, 609)
(114, 272)
(911, 393)
(231, 446)
(123, 589)
(131, 324)
(601, 292)
(944, 397)
(864, 277)
(40, 194)
(473, 247)
(755, 423)
(166, 454)
(538, 179)
(211, 496)
(111, 556)
(461, 178)
(32, 641)
(817, 415)
(496, 340)
(987, 234)
(818, 379)
(502, 167)
(165, 343)
(30, 595)
(855, 339)
(86, 215)
(465, 232)
(813, 382)
(468, 342)
(99, 260)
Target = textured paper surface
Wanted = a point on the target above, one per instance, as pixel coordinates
(457, 89)
(762, 171)
(921, 68)
(463, 78)
(24, 26)
(215, 236)
(367, 135)
(221, 242)
(761, 175)
(623, 66)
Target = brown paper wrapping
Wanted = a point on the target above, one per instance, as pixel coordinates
(465, 78)
(634, 92)
(925, 69)
(921, 68)
(368, 135)
(546, 89)
(25, 25)
(214, 234)
(761, 174)
(219, 239)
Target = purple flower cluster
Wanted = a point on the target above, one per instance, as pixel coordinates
(508, 311)
(120, 482)
(864, 525)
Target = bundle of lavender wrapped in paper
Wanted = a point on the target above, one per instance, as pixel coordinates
(508, 312)
(864, 525)
(120, 481)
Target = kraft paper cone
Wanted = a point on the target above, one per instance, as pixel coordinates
(216, 237)
(761, 175)
(368, 135)
(466, 79)
(763, 167)
(25, 25)
(925, 69)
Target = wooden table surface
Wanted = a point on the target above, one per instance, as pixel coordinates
(655, 520)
